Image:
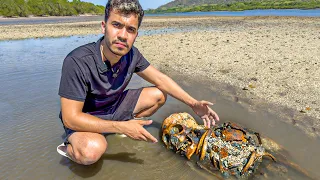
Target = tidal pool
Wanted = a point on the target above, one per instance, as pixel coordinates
(31, 130)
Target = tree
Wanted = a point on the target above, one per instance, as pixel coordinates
(36, 7)
(11, 8)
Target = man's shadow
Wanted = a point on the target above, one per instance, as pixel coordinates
(91, 170)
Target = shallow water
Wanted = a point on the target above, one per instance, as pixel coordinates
(30, 129)
(257, 12)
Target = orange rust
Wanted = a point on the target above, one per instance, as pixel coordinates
(236, 126)
(201, 141)
(190, 150)
(233, 135)
(205, 144)
(223, 152)
(180, 137)
(180, 118)
(215, 148)
(250, 162)
(270, 155)
(167, 122)
(213, 135)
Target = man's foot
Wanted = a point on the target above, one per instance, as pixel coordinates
(62, 150)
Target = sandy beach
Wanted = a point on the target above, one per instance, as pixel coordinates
(271, 62)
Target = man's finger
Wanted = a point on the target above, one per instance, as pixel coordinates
(212, 120)
(145, 122)
(207, 103)
(208, 122)
(149, 136)
(215, 116)
(204, 122)
(141, 137)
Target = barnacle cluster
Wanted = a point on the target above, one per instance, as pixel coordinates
(229, 148)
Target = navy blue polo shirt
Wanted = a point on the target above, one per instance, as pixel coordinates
(87, 79)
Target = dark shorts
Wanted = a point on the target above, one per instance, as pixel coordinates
(121, 110)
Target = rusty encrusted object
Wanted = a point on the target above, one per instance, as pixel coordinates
(229, 148)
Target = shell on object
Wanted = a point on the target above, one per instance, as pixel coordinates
(229, 148)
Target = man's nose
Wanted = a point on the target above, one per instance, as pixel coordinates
(123, 34)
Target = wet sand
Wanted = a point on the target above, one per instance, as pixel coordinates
(265, 62)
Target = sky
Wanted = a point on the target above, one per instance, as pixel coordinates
(146, 4)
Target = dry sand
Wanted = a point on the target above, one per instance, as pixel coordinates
(270, 60)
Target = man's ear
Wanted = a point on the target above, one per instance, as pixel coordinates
(103, 27)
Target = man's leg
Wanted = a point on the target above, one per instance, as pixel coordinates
(150, 100)
(86, 148)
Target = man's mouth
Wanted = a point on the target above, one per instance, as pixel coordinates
(121, 45)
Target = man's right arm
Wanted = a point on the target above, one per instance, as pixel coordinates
(75, 119)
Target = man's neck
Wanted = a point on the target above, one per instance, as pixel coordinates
(107, 55)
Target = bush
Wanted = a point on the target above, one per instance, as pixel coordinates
(22, 8)
(243, 5)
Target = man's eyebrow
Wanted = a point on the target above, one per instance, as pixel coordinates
(123, 24)
(116, 22)
(132, 27)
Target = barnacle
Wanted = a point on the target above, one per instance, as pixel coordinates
(231, 149)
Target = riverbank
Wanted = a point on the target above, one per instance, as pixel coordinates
(269, 62)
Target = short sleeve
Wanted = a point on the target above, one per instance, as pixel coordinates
(72, 84)
(142, 63)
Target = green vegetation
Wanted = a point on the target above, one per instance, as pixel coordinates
(241, 6)
(24, 8)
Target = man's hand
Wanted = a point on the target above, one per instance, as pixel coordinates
(202, 109)
(134, 129)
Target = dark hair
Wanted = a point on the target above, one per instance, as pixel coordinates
(126, 7)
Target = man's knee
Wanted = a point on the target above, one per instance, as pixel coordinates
(89, 151)
(161, 97)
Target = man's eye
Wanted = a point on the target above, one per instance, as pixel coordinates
(117, 25)
(131, 30)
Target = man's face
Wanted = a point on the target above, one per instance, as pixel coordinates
(120, 32)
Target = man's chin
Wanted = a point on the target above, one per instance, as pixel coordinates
(120, 52)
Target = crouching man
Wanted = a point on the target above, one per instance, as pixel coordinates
(92, 88)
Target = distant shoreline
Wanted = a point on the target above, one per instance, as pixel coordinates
(154, 14)
(31, 16)
(235, 6)
(169, 12)
(63, 26)
(48, 19)
(254, 12)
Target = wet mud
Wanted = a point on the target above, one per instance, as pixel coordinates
(31, 130)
